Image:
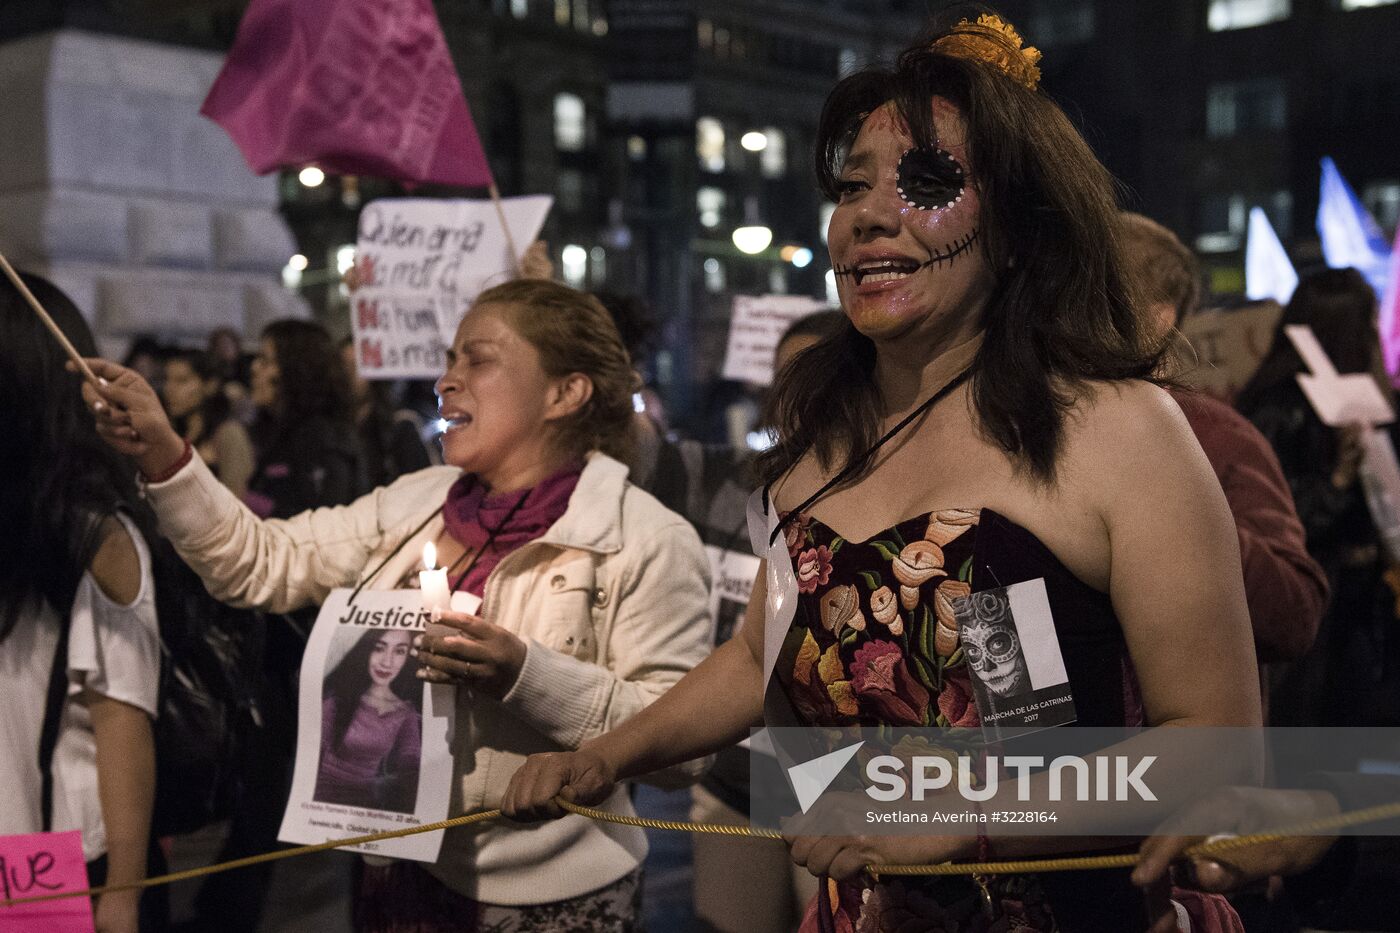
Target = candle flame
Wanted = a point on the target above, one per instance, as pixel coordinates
(430, 556)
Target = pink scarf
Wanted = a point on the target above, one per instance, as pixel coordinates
(472, 516)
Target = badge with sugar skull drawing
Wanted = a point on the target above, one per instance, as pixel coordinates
(1018, 673)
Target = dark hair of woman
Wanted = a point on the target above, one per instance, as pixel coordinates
(312, 382)
(1061, 311)
(349, 680)
(215, 410)
(1340, 307)
(60, 479)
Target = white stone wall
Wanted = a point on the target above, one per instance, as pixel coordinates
(113, 185)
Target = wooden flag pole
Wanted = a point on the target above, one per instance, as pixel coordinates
(49, 322)
(505, 228)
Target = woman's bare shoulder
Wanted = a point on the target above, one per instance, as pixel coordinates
(1131, 436)
(116, 564)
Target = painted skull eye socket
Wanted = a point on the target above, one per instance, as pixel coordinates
(930, 179)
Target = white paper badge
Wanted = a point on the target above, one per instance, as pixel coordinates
(372, 743)
(1013, 654)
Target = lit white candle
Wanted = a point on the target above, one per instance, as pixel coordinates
(432, 581)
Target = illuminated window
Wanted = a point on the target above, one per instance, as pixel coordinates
(1364, 4)
(582, 21)
(1259, 105)
(710, 203)
(1382, 199)
(520, 8)
(574, 262)
(570, 122)
(709, 144)
(598, 257)
(848, 62)
(714, 275)
(705, 34)
(1241, 14)
(636, 148)
(777, 280)
(772, 160)
(827, 210)
(1222, 222)
(568, 188)
(561, 12)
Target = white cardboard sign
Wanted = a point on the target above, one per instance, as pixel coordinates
(755, 328)
(421, 263)
(1338, 399)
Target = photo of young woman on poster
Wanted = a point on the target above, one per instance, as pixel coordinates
(371, 725)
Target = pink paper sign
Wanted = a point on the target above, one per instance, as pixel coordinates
(44, 863)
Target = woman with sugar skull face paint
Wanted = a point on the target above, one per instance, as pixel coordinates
(986, 418)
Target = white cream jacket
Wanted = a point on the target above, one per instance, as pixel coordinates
(611, 602)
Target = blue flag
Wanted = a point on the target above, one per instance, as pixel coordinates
(1350, 235)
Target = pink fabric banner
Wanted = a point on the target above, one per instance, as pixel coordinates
(364, 87)
(1390, 314)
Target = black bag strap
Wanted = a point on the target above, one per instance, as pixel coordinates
(53, 717)
(57, 694)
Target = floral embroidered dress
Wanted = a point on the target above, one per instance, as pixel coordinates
(874, 642)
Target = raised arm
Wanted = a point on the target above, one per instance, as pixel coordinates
(243, 560)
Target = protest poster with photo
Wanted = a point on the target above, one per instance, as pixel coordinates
(732, 574)
(420, 263)
(757, 324)
(1013, 654)
(373, 748)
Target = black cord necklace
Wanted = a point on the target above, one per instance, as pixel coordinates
(853, 465)
(490, 539)
(486, 546)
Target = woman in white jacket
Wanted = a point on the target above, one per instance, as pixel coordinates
(594, 594)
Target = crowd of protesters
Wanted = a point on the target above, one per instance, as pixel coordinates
(1005, 380)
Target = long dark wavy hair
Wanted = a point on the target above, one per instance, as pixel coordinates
(349, 680)
(57, 478)
(1340, 307)
(1061, 311)
(312, 382)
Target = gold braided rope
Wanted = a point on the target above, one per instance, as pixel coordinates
(1027, 866)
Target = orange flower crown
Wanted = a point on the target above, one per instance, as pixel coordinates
(996, 42)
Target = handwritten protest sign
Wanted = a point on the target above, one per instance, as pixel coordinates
(1226, 347)
(421, 262)
(36, 864)
(757, 324)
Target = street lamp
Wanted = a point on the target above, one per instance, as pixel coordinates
(752, 238)
(754, 141)
(311, 176)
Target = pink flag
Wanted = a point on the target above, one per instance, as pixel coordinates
(363, 87)
(1390, 313)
